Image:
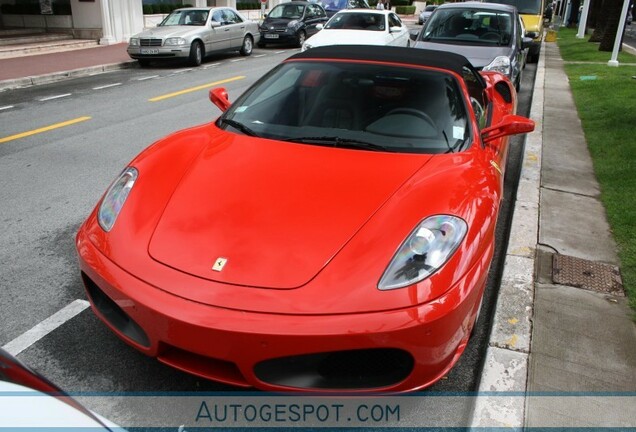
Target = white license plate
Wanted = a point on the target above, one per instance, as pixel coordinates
(271, 36)
(149, 51)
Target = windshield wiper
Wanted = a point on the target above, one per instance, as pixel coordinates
(339, 142)
(240, 126)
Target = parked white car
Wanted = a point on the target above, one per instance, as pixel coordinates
(361, 27)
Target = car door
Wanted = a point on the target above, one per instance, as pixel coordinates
(237, 28)
(313, 16)
(400, 37)
(221, 37)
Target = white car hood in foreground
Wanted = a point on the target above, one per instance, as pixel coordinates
(357, 37)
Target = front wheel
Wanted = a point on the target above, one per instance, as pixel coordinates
(196, 54)
(300, 39)
(248, 45)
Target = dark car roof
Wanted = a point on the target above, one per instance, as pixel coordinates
(420, 57)
(479, 5)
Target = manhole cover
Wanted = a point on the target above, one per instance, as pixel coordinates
(591, 275)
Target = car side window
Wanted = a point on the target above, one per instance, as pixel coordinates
(231, 17)
(394, 21)
(218, 17)
(478, 99)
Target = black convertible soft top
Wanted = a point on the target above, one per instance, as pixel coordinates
(409, 56)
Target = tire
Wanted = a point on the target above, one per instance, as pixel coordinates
(533, 56)
(143, 62)
(301, 38)
(196, 54)
(248, 45)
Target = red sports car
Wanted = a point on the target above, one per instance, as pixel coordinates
(331, 230)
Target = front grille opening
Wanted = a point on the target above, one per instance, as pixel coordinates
(205, 367)
(114, 314)
(352, 369)
(150, 42)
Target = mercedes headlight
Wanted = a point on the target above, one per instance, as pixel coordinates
(174, 41)
(499, 64)
(424, 251)
(134, 42)
(115, 198)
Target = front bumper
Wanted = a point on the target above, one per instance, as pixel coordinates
(163, 52)
(395, 350)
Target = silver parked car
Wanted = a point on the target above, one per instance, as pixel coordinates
(488, 34)
(426, 14)
(193, 33)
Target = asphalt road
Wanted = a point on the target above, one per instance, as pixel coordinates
(51, 180)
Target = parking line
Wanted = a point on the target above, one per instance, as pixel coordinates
(193, 89)
(37, 332)
(6, 107)
(147, 77)
(280, 52)
(43, 129)
(106, 86)
(260, 55)
(237, 60)
(54, 97)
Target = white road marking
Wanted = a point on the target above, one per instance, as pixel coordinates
(177, 72)
(25, 340)
(260, 55)
(106, 86)
(211, 65)
(147, 77)
(237, 60)
(6, 107)
(54, 97)
(280, 52)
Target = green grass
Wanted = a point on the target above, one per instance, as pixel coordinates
(573, 49)
(607, 108)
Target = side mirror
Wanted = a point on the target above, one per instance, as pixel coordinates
(509, 125)
(319, 27)
(215, 24)
(413, 34)
(526, 42)
(219, 97)
(532, 34)
(394, 29)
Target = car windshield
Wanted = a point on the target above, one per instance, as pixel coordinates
(531, 7)
(357, 21)
(289, 11)
(185, 17)
(469, 26)
(366, 106)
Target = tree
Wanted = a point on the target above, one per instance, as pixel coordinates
(599, 21)
(614, 9)
(573, 19)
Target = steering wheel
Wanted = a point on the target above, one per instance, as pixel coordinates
(414, 112)
(490, 36)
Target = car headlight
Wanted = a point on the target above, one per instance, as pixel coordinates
(115, 198)
(293, 23)
(134, 42)
(499, 64)
(174, 41)
(424, 251)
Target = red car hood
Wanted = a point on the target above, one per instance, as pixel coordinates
(276, 212)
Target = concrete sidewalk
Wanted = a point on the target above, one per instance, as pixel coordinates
(565, 353)
(548, 335)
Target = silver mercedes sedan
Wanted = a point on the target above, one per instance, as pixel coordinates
(193, 33)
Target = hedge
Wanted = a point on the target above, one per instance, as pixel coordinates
(248, 6)
(405, 10)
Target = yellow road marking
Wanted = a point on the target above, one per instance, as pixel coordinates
(43, 129)
(193, 89)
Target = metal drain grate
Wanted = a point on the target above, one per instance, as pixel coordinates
(591, 275)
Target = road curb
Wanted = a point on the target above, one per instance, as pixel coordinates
(506, 364)
(60, 76)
